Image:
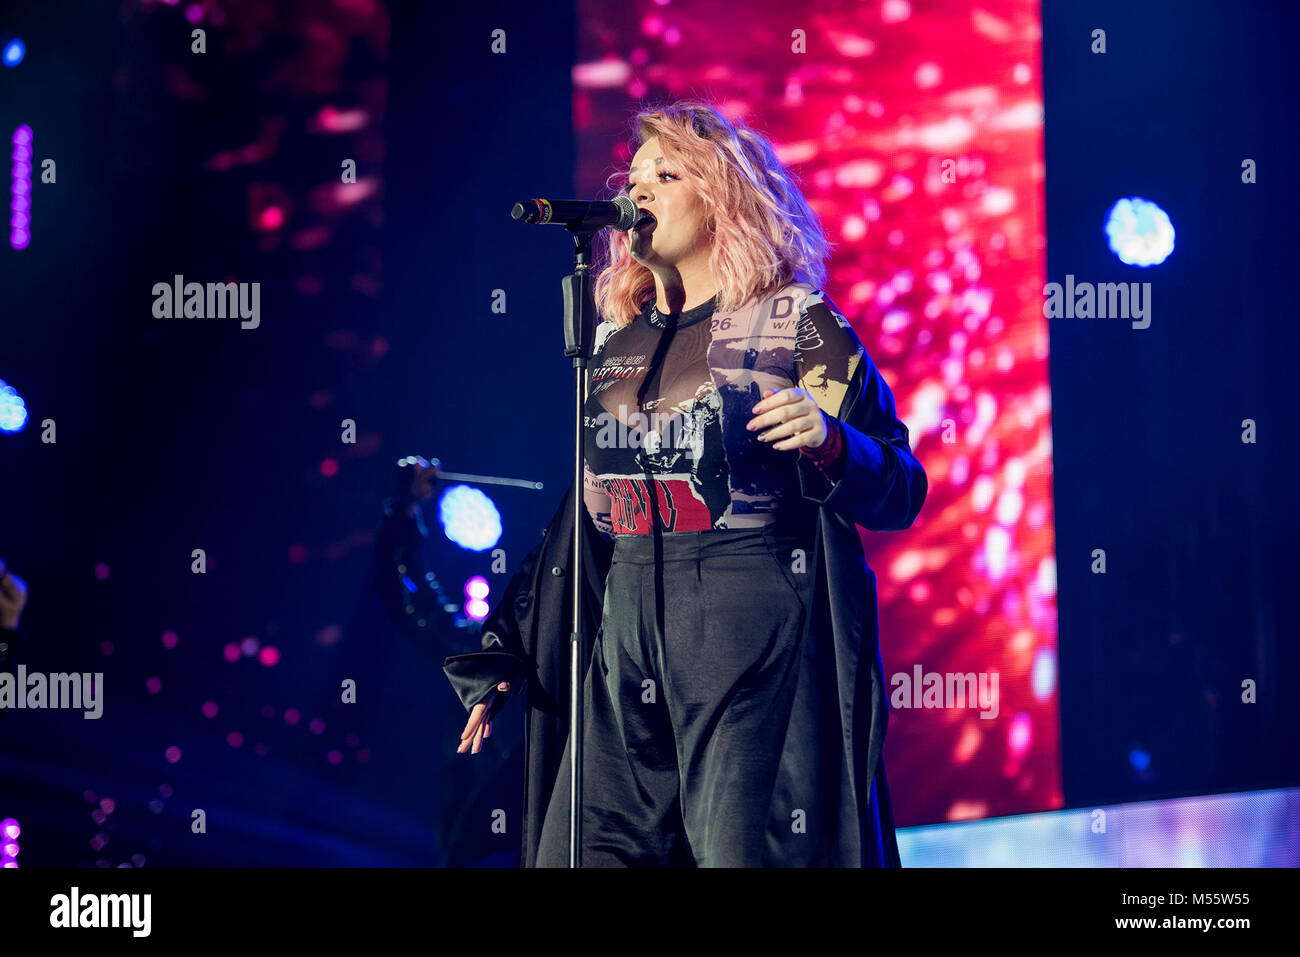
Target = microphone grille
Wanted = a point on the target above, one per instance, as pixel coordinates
(629, 210)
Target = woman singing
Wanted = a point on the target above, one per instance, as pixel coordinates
(736, 432)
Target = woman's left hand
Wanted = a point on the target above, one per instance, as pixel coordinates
(791, 418)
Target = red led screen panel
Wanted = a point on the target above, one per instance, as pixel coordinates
(916, 131)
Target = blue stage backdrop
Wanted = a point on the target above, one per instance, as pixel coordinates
(1063, 231)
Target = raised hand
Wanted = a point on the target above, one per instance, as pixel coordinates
(792, 419)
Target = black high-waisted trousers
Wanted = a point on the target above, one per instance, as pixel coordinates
(687, 701)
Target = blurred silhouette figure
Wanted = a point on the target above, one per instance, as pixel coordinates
(411, 594)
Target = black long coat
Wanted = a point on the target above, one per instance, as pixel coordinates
(882, 488)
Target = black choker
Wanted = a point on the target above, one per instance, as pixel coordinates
(687, 317)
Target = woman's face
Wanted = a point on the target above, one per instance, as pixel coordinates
(678, 236)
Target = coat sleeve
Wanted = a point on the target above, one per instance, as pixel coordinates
(502, 657)
(880, 485)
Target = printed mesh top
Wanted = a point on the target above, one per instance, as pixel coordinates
(668, 403)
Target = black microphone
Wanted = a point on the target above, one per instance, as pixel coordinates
(579, 214)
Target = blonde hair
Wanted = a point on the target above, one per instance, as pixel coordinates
(763, 232)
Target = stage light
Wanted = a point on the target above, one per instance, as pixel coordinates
(9, 832)
(13, 412)
(20, 188)
(469, 518)
(1141, 760)
(1043, 674)
(476, 591)
(14, 52)
(1139, 232)
(1020, 735)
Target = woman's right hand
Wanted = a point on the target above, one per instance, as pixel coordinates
(478, 726)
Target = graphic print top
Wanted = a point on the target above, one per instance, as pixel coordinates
(668, 401)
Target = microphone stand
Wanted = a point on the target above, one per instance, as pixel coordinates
(579, 335)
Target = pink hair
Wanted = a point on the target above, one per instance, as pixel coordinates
(764, 234)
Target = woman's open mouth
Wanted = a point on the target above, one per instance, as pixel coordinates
(645, 224)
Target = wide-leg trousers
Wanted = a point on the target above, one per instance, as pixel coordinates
(687, 701)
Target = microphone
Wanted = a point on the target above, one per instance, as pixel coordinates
(579, 214)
